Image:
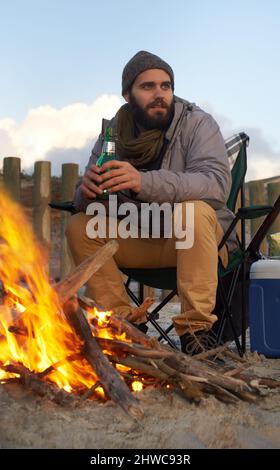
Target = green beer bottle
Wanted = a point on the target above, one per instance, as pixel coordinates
(108, 153)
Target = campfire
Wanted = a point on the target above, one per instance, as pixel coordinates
(67, 348)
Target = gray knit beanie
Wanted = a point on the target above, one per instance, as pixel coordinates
(139, 63)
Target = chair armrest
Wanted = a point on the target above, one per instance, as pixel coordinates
(253, 212)
(245, 213)
(63, 206)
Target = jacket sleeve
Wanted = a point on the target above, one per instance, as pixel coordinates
(80, 201)
(206, 176)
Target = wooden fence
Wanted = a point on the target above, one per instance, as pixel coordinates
(258, 192)
(263, 192)
(41, 196)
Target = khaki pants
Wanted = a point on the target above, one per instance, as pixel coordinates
(197, 267)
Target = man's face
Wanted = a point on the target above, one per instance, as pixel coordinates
(151, 99)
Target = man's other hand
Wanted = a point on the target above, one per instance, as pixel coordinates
(91, 178)
(119, 175)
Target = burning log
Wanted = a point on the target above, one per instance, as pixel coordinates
(33, 381)
(189, 374)
(70, 285)
(111, 381)
(185, 374)
(118, 324)
(121, 348)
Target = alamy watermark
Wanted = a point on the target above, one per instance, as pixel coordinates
(150, 220)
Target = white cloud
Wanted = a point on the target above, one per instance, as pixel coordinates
(263, 162)
(263, 167)
(46, 128)
(6, 145)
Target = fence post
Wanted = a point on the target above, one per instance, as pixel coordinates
(273, 191)
(70, 173)
(11, 177)
(41, 198)
(149, 292)
(257, 197)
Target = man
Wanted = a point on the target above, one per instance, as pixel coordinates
(169, 151)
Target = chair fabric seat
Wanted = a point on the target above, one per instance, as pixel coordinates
(162, 278)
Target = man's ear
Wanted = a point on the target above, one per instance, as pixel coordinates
(126, 97)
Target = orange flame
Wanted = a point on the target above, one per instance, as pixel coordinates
(102, 320)
(33, 329)
(31, 302)
(137, 386)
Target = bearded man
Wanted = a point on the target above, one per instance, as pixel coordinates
(169, 151)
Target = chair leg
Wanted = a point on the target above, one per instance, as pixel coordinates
(152, 316)
(163, 334)
(166, 331)
(141, 292)
(244, 308)
(154, 313)
(226, 314)
(132, 295)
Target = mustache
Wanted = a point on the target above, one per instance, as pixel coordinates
(159, 102)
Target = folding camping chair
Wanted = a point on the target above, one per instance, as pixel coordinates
(232, 319)
(232, 281)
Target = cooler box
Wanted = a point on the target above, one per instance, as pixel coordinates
(264, 307)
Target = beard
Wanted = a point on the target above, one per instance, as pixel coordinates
(158, 120)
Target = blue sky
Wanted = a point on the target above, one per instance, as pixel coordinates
(61, 64)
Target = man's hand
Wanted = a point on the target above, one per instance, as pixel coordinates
(88, 186)
(118, 175)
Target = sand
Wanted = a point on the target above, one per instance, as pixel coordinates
(170, 422)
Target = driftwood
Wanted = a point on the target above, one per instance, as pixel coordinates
(119, 325)
(139, 314)
(33, 381)
(121, 347)
(111, 381)
(189, 374)
(70, 285)
(192, 387)
(146, 357)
